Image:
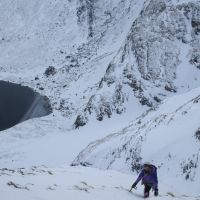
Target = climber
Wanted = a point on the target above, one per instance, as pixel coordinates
(148, 175)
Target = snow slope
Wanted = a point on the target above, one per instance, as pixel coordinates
(73, 183)
(126, 69)
(160, 135)
(167, 137)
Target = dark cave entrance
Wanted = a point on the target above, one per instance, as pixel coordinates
(19, 103)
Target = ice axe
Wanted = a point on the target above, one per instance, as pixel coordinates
(133, 188)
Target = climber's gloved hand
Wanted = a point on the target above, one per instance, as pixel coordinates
(134, 185)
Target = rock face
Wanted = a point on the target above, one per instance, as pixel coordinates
(147, 66)
(197, 134)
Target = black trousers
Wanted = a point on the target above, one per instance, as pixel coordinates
(147, 189)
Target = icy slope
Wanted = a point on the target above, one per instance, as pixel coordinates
(74, 183)
(167, 136)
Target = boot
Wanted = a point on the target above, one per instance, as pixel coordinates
(146, 194)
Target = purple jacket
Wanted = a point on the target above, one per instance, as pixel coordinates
(149, 178)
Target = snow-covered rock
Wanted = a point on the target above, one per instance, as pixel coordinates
(159, 50)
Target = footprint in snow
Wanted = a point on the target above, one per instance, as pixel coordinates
(53, 187)
(83, 187)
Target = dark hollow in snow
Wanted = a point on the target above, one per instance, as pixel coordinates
(19, 103)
